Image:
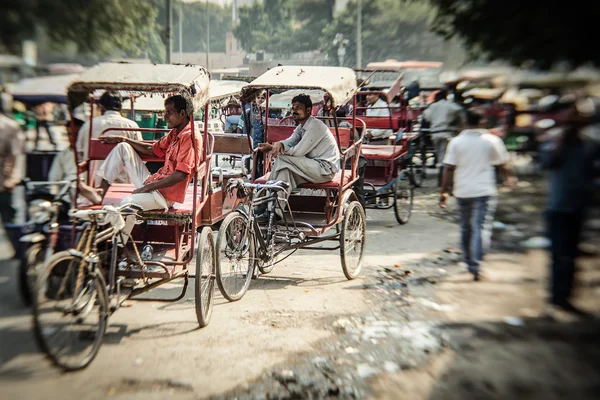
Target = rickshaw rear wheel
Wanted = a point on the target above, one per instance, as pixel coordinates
(404, 192)
(205, 276)
(81, 318)
(235, 245)
(352, 239)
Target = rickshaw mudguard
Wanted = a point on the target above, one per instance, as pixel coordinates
(32, 238)
(348, 197)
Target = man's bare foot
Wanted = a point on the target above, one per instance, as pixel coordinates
(93, 195)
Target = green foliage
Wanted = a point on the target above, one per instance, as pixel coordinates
(283, 26)
(194, 26)
(99, 26)
(519, 32)
(390, 29)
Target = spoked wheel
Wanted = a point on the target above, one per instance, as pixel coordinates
(404, 192)
(205, 276)
(235, 256)
(352, 239)
(31, 266)
(419, 169)
(70, 310)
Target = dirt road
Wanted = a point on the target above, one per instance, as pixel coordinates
(413, 325)
(155, 349)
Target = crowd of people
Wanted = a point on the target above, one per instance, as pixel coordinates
(469, 156)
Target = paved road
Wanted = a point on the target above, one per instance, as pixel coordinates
(155, 349)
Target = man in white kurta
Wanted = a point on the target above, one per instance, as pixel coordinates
(311, 154)
(110, 106)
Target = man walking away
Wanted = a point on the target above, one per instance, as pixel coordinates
(471, 158)
(442, 116)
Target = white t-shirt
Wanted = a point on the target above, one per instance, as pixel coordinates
(475, 152)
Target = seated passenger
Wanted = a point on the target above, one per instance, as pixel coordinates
(377, 107)
(169, 184)
(233, 115)
(63, 166)
(311, 154)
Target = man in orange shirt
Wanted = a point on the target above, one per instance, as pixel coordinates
(182, 156)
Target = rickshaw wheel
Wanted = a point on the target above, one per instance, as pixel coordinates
(29, 268)
(69, 326)
(205, 276)
(404, 191)
(235, 256)
(352, 239)
(419, 172)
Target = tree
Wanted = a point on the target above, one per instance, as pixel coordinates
(390, 29)
(194, 26)
(98, 26)
(519, 32)
(283, 26)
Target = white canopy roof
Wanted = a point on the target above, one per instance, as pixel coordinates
(339, 82)
(222, 89)
(192, 80)
(44, 88)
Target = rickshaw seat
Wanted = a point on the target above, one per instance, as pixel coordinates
(118, 191)
(387, 152)
(332, 184)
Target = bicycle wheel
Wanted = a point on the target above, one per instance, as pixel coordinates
(404, 192)
(205, 276)
(352, 239)
(235, 256)
(70, 317)
(29, 268)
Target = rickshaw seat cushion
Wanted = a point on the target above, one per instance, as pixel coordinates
(334, 183)
(118, 191)
(388, 152)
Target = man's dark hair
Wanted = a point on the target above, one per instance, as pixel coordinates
(440, 95)
(111, 101)
(180, 103)
(473, 118)
(303, 99)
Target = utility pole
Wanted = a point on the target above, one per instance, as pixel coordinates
(181, 32)
(169, 29)
(207, 34)
(359, 35)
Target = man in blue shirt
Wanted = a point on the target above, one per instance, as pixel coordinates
(257, 115)
(570, 154)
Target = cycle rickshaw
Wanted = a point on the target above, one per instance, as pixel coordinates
(315, 213)
(389, 178)
(80, 288)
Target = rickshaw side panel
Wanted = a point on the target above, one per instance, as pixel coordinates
(100, 150)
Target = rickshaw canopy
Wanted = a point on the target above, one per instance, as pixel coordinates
(339, 82)
(192, 81)
(224, 89)
(42, 89)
